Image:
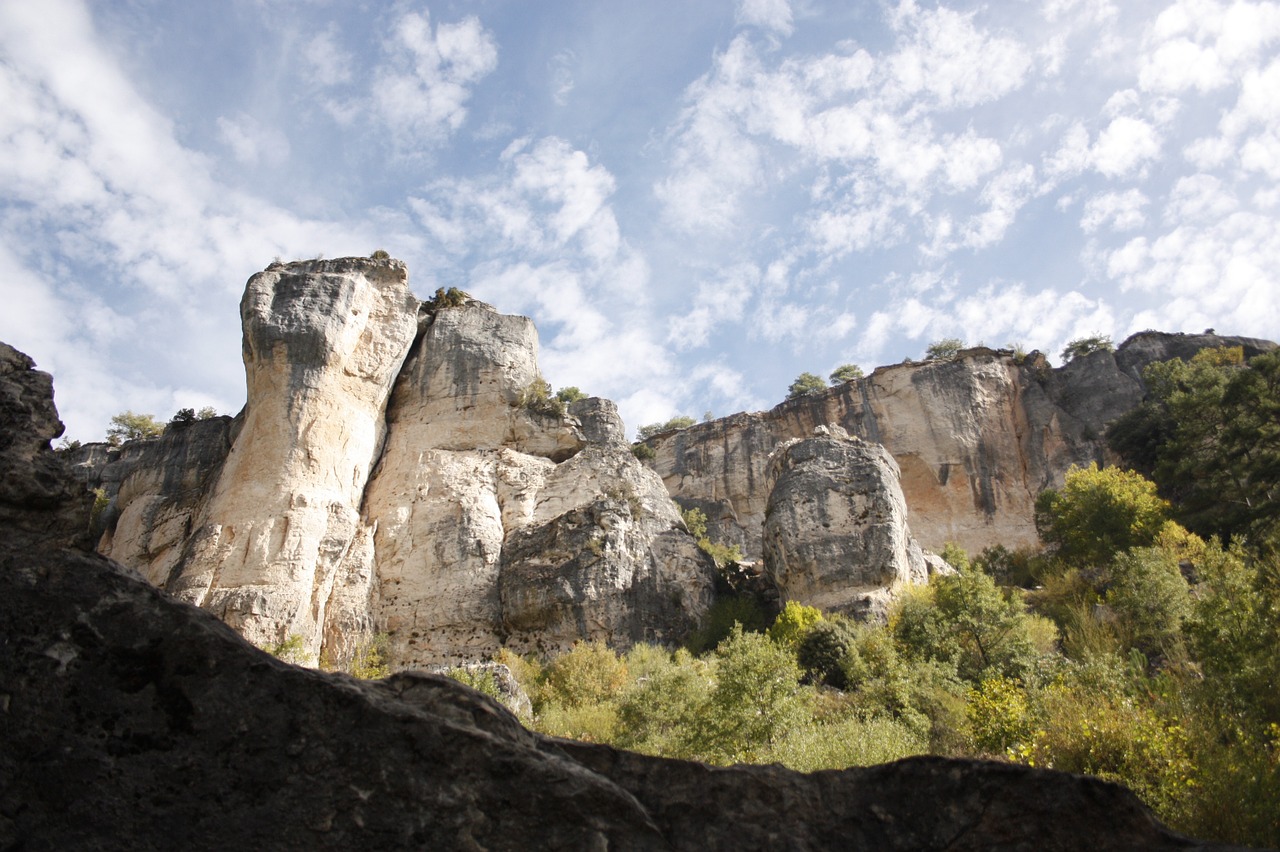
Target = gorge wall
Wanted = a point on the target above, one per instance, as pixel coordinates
(132, 721)
(399, 468)
(976, 438)
(395, 470)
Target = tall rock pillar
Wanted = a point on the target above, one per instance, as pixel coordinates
(323, 342)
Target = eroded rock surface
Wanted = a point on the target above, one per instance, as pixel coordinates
(976, 438)
(133, 721)
(835, 530)
(394, 470)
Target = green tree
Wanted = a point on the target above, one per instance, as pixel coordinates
(1087, 345)
(207, 413)
(681, 421)
(570, 395)
(792, 623)
(1209, 434)
(1098, 513)
(1151, 598)
(757, 698)
(805, 383)
(845, 373)
(964, 619)
(128, 426)
(945, 349)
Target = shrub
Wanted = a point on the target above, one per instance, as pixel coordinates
(292, 650)
(805, 384)
(643, 452)
(1087, 345)
(681, 421)
(587, 674)
(570, 395)
(999, 716)
(823, 647)
(536, 397)
(792, 623)
(369, 660)
(845, 373)
(128, 426)
(379, 254)
(945, 349)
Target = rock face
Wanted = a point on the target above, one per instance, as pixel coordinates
(835, 529)
(134, 721)
(37, 498)
(976, 438)
(395, 470)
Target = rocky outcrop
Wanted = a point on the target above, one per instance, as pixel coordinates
(398, 469)
(135, 721)
(37, 497)
(976, 438)
(835, 529)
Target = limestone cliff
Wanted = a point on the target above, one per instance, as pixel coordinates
(132, 721)
(976, 438)
(394, 470)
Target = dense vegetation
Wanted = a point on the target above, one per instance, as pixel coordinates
(1140, 645)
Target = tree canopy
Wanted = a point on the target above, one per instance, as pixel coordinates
(805, 383)
(128, 426)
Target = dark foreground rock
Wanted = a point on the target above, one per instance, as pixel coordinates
(131, 721)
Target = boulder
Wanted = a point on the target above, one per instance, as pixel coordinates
(835, 529)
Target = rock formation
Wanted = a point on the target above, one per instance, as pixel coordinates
(835, 528)
(398, 468)
(976, 438)
(134, 721)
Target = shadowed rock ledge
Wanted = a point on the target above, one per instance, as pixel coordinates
(129, 720)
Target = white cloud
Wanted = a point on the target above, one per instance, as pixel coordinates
(1124, 146)
(723, 300)
(327, 64)
(948, 59)
(423, 90)
(251, 143)
(1121, 211)
(772, 15)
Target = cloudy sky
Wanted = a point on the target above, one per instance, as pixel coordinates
(695, 200)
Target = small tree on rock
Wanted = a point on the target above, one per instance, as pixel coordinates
(945, 349)
(128, 426)
(805, 383)
(845, 373)
(1087, 345)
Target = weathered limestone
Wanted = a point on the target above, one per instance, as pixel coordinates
(499, 525)
(323, 342)
(976, 438)
(394, 471)
(835, 529)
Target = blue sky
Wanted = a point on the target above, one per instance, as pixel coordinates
(696, 201)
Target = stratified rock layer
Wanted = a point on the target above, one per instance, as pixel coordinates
(835, 529)
(976, 438)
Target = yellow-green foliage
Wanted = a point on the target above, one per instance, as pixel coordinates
(999, 716)
(1093, 722)
(369, 661)
(537, 397)
(792, 622)
(586, 675)
(1098, 513)
(722, 554)
(291, 650)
